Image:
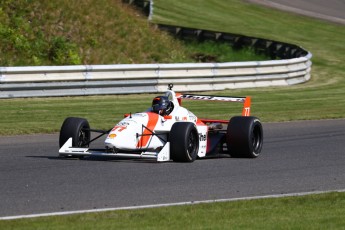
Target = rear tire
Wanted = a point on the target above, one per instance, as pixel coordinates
(78, 129)
(244, 137)
(184, 142)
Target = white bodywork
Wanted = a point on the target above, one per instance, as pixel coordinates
(144, 135)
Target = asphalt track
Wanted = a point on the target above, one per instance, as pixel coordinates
(297, 157)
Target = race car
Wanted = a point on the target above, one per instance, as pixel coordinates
(168, 131)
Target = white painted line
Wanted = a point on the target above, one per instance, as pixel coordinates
(165, 205)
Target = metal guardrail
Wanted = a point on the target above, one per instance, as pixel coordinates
(149, 78)
(293, 68)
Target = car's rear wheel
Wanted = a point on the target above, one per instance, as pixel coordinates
(244, 137)
(184, 142)
(78, 129)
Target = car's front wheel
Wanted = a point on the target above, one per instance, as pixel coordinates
(184, 142)
(78, 129)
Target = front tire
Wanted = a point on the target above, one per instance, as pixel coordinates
(184, 142)
(78, 129)
(244, 137)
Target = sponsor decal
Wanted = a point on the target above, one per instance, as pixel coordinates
(119, 128)
(123, 123)
(112, 136)
(192, 117)
(212, 98)
(139, 115)
(177, 118)
(202, 137)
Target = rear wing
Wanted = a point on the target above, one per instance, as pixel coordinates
(245, 100)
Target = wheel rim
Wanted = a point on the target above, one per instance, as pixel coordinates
(83, 139)
(192, 144)
(256, 139)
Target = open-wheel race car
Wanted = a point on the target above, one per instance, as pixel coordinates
(167, 131)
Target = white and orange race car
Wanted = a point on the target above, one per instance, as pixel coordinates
(167, 131)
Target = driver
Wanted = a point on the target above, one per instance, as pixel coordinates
(162, 105)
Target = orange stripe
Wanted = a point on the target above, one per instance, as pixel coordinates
(246, 107)
(178, 96)
(151, 124)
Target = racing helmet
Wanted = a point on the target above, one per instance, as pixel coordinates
(161, 105)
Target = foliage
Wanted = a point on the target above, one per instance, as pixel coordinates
(70, 32)
(24, 43)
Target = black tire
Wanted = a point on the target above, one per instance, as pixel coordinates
(244, 137)
(184, 142)
(78, 129)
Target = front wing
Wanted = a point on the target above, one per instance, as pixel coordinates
(68, 150)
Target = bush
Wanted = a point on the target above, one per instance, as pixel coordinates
(62, 52)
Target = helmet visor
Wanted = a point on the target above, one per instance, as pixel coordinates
(158, 107)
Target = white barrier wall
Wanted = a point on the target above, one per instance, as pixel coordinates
(149, 78)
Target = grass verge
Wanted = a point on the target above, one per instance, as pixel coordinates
(323, 211)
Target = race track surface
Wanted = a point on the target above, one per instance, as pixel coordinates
(297, 157)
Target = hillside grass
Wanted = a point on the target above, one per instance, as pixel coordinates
(70, 32)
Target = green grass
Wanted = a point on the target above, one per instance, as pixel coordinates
(324, 211)
(73, 32)
(69, 32)
(45, 115)
(212, 51)
(323, 97)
